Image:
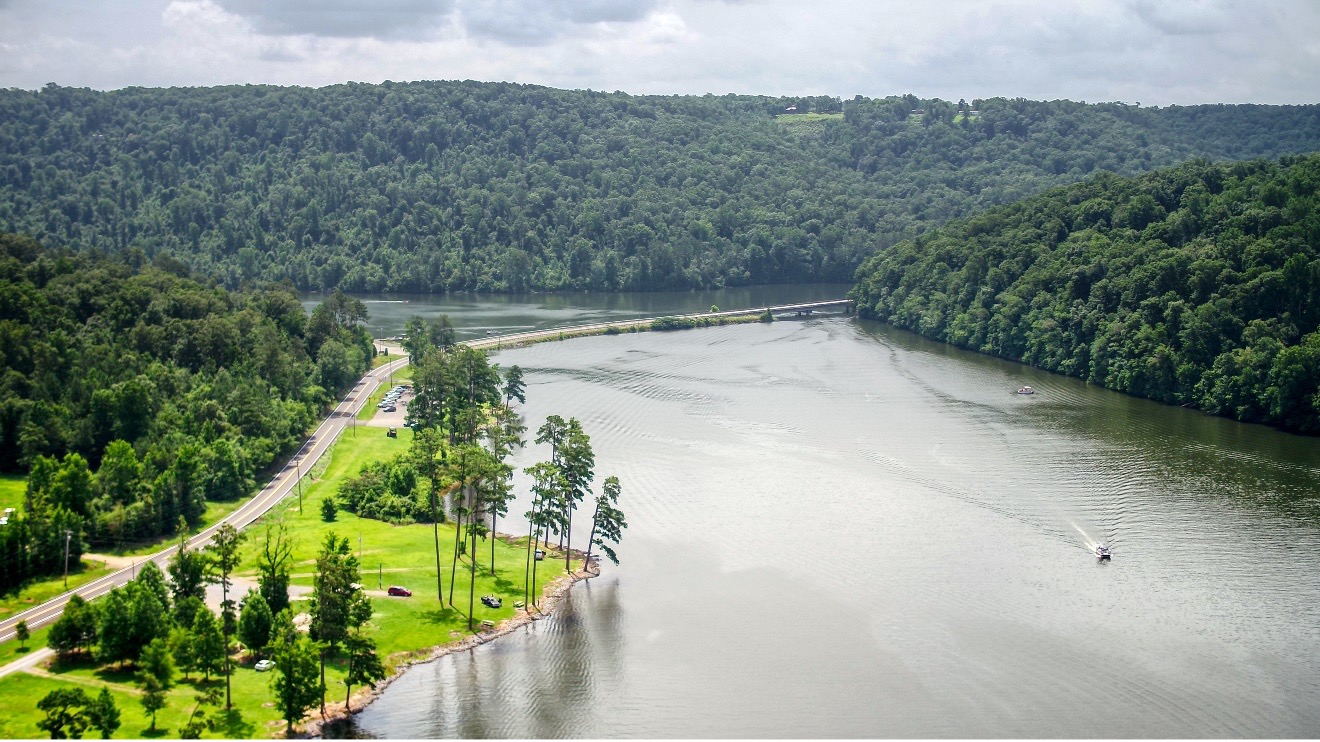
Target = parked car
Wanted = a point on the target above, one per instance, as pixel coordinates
(399, 592)
(264, 665)
(491, 601)
(391, 408)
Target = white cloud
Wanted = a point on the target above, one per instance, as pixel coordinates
(1155, 51)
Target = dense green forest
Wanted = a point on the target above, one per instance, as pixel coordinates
(132, 395)
(443, 186)
(1198, 285)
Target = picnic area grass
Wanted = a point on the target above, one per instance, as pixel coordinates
(404, 628)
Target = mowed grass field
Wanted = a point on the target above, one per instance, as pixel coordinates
(402, 627)
(12, 489)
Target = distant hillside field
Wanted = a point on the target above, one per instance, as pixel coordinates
(444, 186)
(1198, 285)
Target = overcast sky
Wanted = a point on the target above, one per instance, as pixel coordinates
(1153, 51)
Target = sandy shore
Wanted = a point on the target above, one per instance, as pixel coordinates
(551, 594)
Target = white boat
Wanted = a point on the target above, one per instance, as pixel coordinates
(1026, 390)
(1102, 551)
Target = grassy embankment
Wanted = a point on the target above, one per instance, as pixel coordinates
(12, 488)
(807, 124)
(404, 628)
(804, 118)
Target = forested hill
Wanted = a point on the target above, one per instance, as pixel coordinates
(132, 396)
(444, 186)
(1197, 285)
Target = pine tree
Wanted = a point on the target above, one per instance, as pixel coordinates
(224, 555)
(103, 714)
(295, 681)
(254, 623)
(64, 717)
(208, 644)
(364, 665)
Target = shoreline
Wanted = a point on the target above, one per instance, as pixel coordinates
(553, 592)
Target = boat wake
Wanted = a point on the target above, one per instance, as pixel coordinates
(1099, 548)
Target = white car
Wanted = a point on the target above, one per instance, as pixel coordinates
(264, 665)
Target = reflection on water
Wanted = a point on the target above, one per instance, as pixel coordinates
(841, 530)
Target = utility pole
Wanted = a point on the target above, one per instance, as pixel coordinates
(359, 548)
(380, 577)
(297, 473)
(68, 535)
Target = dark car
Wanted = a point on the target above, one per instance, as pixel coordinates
(401, 592)
(491, 601)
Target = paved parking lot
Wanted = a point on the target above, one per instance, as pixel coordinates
(383, 419)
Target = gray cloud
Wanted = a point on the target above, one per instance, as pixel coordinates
(1155, 51)
(1194, 18)
(380, 19)
(539, 22)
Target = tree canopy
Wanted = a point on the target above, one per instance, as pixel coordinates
(445, 186)
(132, 396)
(1197, 285)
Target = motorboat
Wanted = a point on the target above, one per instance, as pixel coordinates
(1026, 390)
(1102, 551)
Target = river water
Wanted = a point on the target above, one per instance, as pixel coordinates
(837, 529)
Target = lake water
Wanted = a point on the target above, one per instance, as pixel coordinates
(841, 530)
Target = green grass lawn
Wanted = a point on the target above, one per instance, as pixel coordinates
(250, 718)
(402, 627)
(399, 555)
(12, 489)
(10, 650)
(39, 591)
(802, 118)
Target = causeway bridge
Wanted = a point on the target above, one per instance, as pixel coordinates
(783, 310)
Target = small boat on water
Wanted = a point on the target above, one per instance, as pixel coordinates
(1102, 551)
(1026, 390)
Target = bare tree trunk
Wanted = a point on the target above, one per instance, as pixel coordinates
(527, 575)
(435, 530)
(536, 545)
(472, 572)
(322, 683)
(453, 567)
(591, 538)
(568, 553)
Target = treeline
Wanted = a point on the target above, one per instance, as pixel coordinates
(445, 186)
(132, 396)
(1198, 285)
